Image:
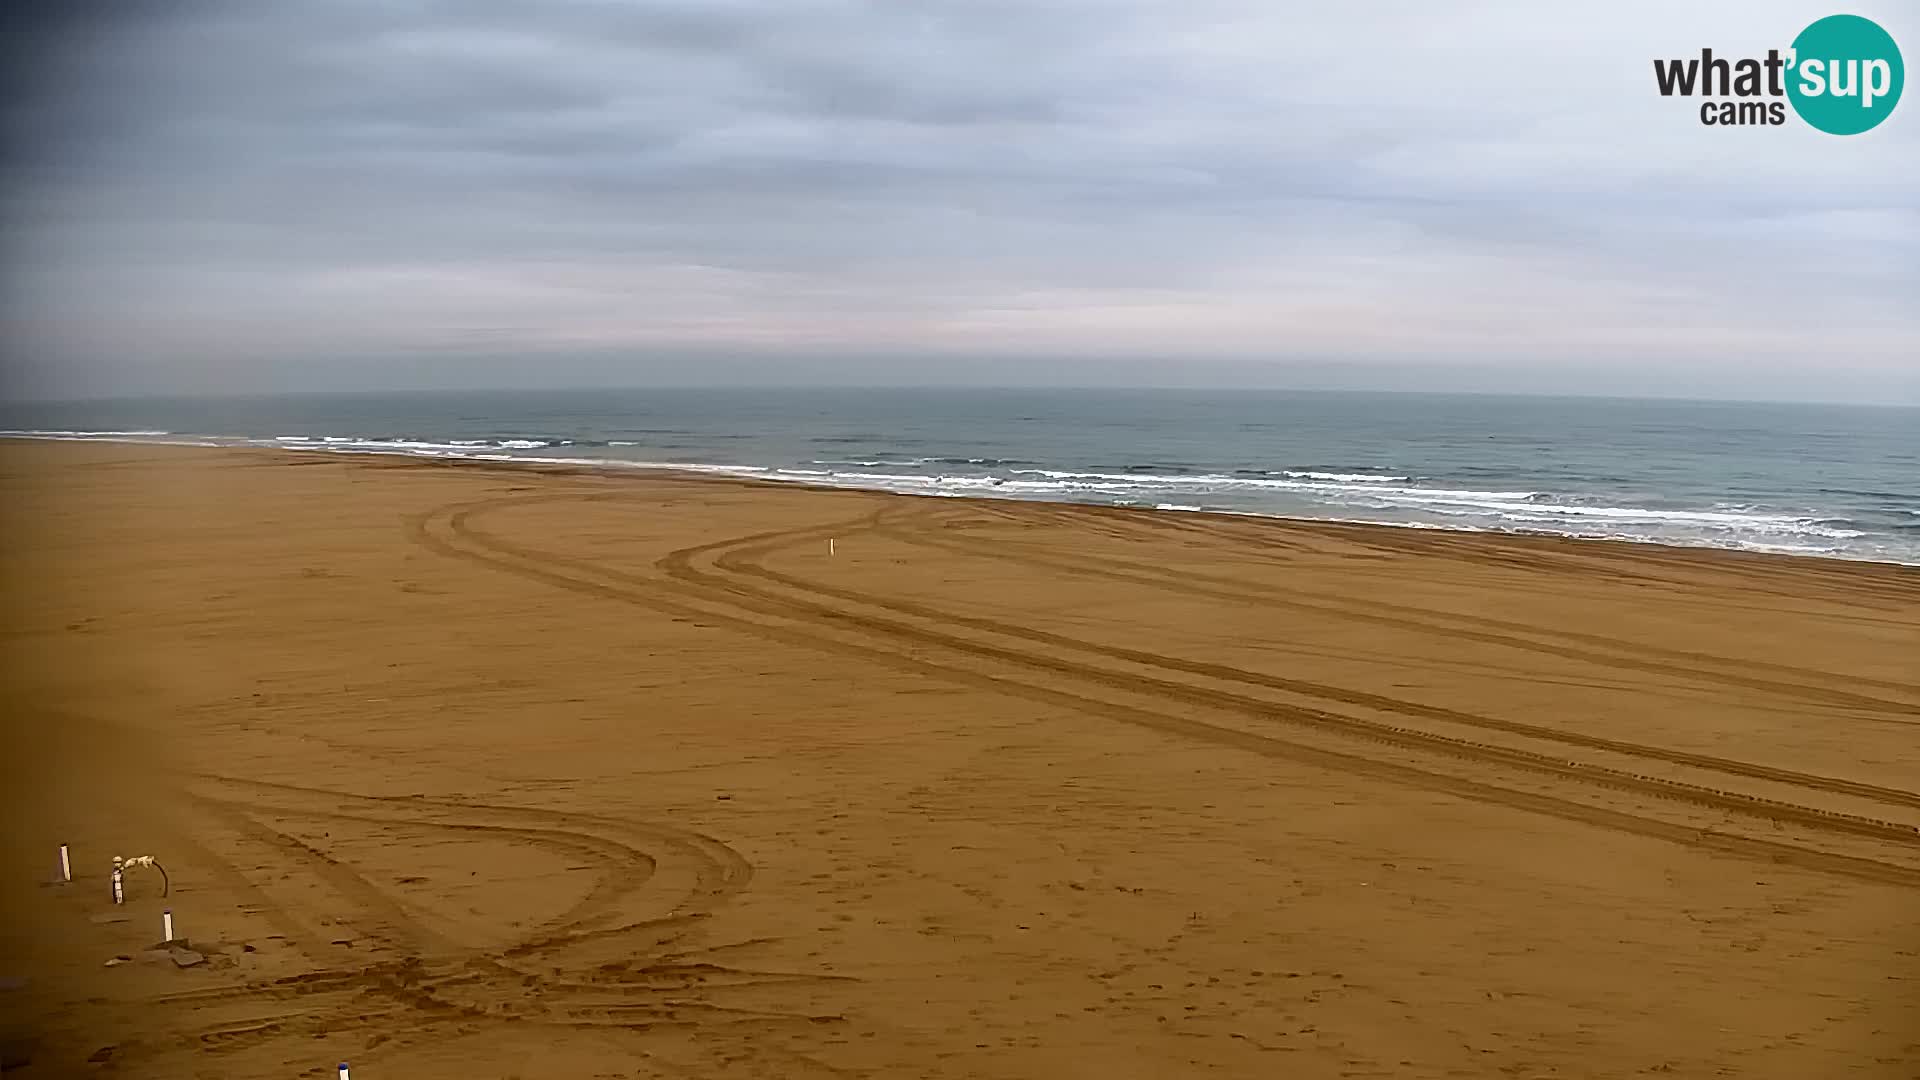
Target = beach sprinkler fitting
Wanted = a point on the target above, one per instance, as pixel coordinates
(121, 866)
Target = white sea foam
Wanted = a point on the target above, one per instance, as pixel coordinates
(1639, 515)
(1344, 477)
(415, 446)
(1216, 482)
(874, 464)
(1373, 498)
(454, 446)
(1727, 543)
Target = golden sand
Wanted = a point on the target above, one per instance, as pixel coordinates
(461, 771)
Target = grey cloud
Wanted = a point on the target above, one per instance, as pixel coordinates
(217, 187)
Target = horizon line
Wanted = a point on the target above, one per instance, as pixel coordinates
(828, 387)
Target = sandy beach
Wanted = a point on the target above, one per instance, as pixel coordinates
(466, 771)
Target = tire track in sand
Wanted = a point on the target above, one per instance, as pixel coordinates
(661, 979)
(740, 560)
(681, 564)
(449, 530)
(377, 915)
(1470, 627)
(703, 872)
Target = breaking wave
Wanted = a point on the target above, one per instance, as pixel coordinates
(1321, 491)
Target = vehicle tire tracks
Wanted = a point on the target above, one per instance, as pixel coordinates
(680, 564)
(692, 593)
(1474, 628)
(739, 560)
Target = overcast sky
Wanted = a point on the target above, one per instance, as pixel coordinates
(260, 196)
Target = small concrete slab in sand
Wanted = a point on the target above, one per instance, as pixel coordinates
(176, 953)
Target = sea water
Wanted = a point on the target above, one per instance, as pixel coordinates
(1827, 480)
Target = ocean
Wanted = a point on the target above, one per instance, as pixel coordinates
(1814, 480)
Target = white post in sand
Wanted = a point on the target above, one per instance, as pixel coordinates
(66, 865)
(343, 1071)
(166, 925)
(119, 890)
(829, 545)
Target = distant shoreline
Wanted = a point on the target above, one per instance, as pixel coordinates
(728, 474)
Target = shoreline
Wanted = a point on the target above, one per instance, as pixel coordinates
(747, 473)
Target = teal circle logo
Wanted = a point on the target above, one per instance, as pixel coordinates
(1846, 74)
